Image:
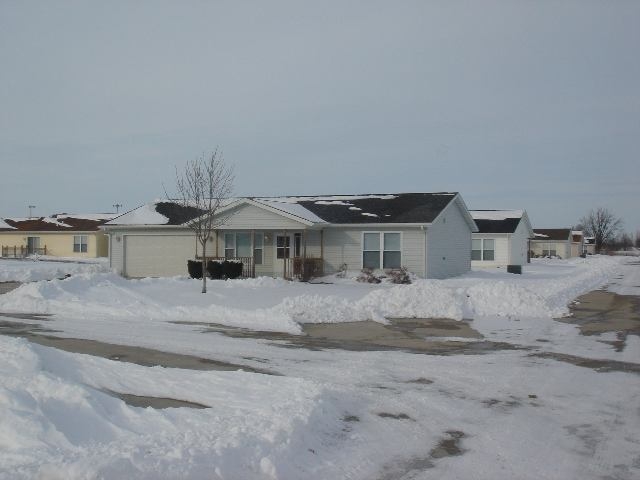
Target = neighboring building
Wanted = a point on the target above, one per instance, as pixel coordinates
(60, 235)
(502, 238)
(556, 242)
(428, 233)
(577, 243)
(590, 245)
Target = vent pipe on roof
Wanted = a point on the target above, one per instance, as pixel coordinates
(31, 207)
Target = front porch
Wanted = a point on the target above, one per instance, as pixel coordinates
(292, 255)
(295, 268)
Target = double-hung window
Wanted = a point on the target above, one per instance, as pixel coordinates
(258, 248)
(381, 250)
(283, 246)
(483, 249)
(80, 243)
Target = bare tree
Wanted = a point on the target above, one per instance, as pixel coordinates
(206, 184)
(601, 224)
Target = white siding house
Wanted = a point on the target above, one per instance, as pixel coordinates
(428, 233)
(502, 238)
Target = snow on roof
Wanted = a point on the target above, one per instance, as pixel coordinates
(329, 199)
(576, 232)
(336, 209)
(540, 235)
(495, 214)
(144, 215)
(290, 208)
(4, 225)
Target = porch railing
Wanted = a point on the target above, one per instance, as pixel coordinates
(303, 268)
(248, 267)
(22, 251)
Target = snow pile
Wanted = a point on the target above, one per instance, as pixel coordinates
(277, 305)
(35, 269)
(57, 423)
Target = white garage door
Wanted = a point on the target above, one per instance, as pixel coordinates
(157, 255)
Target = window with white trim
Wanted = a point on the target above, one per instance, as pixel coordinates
(381, 249)
(80, 243)
(237, 244)
(483, 249)
(283, 246)
(258, 248)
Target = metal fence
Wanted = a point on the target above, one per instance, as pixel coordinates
(22, 251)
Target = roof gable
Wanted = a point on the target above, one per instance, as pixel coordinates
(497, 221)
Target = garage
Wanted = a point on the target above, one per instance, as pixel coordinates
(157, 255)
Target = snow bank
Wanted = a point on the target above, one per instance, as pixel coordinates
(57, 423)
(35, 269)
(267, 304)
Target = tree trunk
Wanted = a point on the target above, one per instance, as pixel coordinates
(204, 267)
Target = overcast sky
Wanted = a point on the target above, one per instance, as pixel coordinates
(532, 105)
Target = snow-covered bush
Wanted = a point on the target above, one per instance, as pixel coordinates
(400, 276)
(367, 276)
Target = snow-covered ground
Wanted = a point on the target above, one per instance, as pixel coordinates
(47, 268)
(331, 413)
(267, 304)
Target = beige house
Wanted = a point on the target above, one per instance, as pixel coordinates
(296, 237)
(60, 235)
(557, 242)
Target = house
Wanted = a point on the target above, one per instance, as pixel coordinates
(555, 242)
(502, 238)
(428, 233)
(60, 235)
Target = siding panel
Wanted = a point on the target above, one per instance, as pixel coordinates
(449, 244)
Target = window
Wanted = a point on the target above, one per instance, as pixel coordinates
(297, 244)
(381, 249)
(371, 250)
(483, 249)
(229, 245)
(243, 244)
(80, 243)
(391, 255)
(258, 248)
(237, 245)
(476, 249)
(283, 246)
(488, 252)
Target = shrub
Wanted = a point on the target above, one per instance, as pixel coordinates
(194, 267)
(215, 269)
(367, 276)
(232, 269)
(342, 271)
(400, 275)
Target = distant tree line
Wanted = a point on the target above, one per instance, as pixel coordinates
(606, 228)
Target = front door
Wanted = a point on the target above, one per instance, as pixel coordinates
(33, 245)
(283, 245)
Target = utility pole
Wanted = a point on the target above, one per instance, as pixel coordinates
(31, 207)
(117, 206)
